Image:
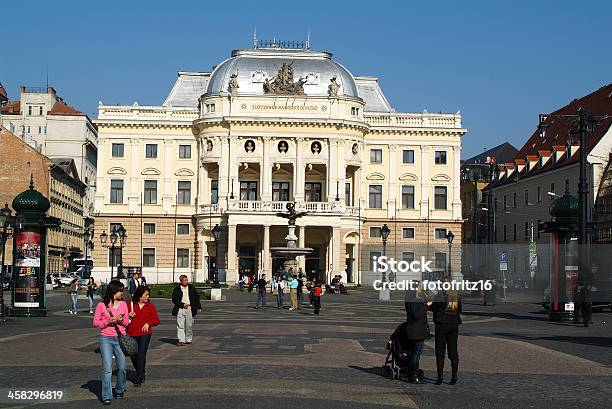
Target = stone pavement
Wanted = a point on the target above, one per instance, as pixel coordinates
(511, 356)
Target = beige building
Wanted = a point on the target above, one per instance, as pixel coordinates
(269, 126)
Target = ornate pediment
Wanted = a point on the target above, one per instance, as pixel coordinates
(408, 177)
(150, 172)
(184, 172)
(283, 82)
(375, 176)
(116, 171)
(440, 178)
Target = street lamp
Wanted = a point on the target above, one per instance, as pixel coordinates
(6, 231)
(384, 294)
(88, 235)
(449, 238)
(217, 235)
(583, 122)
(117, 235)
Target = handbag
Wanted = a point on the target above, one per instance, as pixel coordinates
(128, 345)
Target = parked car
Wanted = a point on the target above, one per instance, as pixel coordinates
(54, 283)
(64, 279)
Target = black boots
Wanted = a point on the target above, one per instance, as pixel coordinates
(455, 369)
(440, 368)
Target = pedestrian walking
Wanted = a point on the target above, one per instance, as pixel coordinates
(91, 291)
(316, 297)
(584, 301)
(73, 292)
(111, 316)
(293, 286)
(447, 319)
(280, 291)
(417, 331)
(135, 282)
(186, 306)
(300, 289)
(143, 315)
(261, 292)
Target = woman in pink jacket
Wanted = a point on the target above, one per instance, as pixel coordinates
(112, 314)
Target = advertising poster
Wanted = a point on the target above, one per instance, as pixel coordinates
(27, 269)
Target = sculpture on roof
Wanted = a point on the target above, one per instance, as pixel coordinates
(233, 84)
(333, 87)
(283, 82)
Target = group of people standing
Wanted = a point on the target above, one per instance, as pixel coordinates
(278, 286)
(446, 308)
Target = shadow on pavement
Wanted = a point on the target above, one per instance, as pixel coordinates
(95, 387)
(171, 341)
(507, 315)
(592, 341)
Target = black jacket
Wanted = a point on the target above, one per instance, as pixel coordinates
(417, 328)
(443, 316)
(194, 300)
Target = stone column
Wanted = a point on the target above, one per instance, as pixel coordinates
(392, 200)
(341, 172)
(103, 186)
(299, 171)
(266, 172)
(336, 243)
(233, 171)
(135, 192)
(266, 250)
(231, 273)
(302, 244)
(332, 170)
(168, 190)
(426, 162)
(456, 201)
(224, 179)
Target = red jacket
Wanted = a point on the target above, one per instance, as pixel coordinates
(145, 315)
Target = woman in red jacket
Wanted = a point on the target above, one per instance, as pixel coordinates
(143, 317)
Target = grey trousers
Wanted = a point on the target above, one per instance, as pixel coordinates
(184, 325)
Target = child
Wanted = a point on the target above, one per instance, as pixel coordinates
(317, 292)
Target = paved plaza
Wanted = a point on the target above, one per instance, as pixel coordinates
(511, 356)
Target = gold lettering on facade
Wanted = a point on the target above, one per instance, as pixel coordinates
(285, 107)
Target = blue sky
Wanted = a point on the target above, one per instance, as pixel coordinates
(499, 63)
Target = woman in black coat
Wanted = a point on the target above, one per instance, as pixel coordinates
(446, 316)
(417, 331)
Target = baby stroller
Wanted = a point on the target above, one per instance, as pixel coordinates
(399, 351)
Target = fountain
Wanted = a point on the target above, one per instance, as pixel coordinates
(291, 250)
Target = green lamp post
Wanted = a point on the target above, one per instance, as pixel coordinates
(30, 252)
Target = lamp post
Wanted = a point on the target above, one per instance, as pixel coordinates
(6, 231)
(122, 243)
(217, 235)
(88, 235)
(117, 235)
(384, 294)
(449, 238)
(489, 295)
(583, 122)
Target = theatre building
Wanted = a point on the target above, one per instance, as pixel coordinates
(267, 126)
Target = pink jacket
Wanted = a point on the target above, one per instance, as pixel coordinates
(102, 319)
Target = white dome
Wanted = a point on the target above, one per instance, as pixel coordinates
(253, 66)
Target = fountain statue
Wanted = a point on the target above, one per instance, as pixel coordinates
(291, 250)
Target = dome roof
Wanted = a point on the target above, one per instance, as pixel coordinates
(564, 208)
(252, 67)
(31, 201)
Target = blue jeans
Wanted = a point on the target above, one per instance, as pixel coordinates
(415, 357)
(73, 301)
(108, 346)
(280, 298)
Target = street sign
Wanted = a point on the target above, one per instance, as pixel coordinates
(569, 306)
(503, 262)
(533, 259)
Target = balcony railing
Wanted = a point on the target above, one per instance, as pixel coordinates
(259, 206)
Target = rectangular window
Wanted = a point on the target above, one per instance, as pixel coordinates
(505, 232)
(514, 199)
(40, 111)
(184, 192)
(182, 228)
(373, 256)
(408, 233)
(182, 258)
(116, 192)
(150, 192)
(280, 191)
(151, 150)
(408, 156)
(440, 234)
(407, 197)
(30, 110)
(526, 230)
(552, 190)
(407, 256)
(495, 205)
(539, 194)
(514, 232)
(526, 197)
(347, 194)
(440, 157)
(113, 258)
(375, 232)
(148, 257)
(214, 191)
(117, 150)
(375, 155)
(184, 151)
(440, 261)
(375, 196)
(248, 190)
(149, 228)
(312, 192)
(440, 198)
(505, 202)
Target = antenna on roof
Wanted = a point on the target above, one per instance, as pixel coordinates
(308, 40)
(47, 78)
(255, 37)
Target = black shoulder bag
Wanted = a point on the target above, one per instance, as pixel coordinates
(128, 345)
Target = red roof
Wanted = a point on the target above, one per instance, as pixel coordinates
(599, 103)
(61, 108)
(12, 108)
